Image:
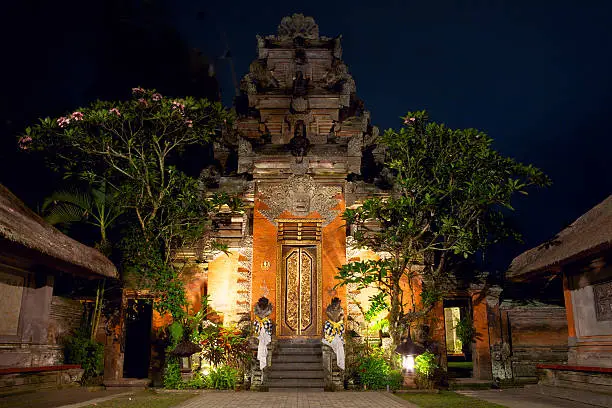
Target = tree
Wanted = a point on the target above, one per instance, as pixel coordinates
(449, 198)
(96, 206)
(132, 148)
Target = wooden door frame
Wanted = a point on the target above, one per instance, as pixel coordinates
(279, 286)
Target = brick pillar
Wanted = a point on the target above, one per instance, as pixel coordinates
(481, 353)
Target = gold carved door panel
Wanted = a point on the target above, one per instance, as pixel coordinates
(299, 291)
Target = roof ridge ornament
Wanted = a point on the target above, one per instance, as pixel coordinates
(298, 25)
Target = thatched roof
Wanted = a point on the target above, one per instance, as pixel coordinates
(186, 348)
(26, 232)
(588, 235)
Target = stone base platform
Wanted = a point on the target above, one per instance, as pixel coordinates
(591, 385)
(28, 379)
(127, 384)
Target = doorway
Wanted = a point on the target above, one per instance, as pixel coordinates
(138, 318)
(299, 291)
(457, 311)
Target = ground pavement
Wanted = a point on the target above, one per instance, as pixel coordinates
(220, 399)
(522, 398)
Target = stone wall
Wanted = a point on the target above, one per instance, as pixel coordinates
(590, 293)
(537, 334)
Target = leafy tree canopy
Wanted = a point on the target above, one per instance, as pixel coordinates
(131, 147)
(450, 194)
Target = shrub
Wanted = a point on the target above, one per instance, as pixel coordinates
(373, 370)
(395, 379)
(425, 367)
(172, 374)
(222, 378)
(198, 381)
(80, 349)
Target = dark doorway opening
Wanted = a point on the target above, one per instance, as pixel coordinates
(458, 355)
(138, 319)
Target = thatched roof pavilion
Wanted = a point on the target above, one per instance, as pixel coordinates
(588, 235)
(24, 235)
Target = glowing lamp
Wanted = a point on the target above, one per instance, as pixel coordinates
(408, 350)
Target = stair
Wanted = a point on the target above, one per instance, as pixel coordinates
(296, 365)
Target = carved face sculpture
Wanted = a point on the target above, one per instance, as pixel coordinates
(262, 308)
(300, 203)
(334, 311)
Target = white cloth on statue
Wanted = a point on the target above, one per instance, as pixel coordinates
(262, 347)
(338, 346)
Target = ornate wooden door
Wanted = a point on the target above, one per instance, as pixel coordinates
(299, 291)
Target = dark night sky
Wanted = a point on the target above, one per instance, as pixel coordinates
(534, 74)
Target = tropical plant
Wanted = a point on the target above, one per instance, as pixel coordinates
(97, 206)
(425, 367)
(224, 345)
(466, 332)
(449, 198)
(223, 377)
(374, 370)
(80, 348)
(132, 147)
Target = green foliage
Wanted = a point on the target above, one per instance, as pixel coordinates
(374, 370)
(172, 374)
(81, 349)
(395, 379)
(425, 364)
(223, 345)
(222, 378)
(175, 334)
(197, 381)
(97, 206)
(131, 147)
(450, 192)
(465, 331)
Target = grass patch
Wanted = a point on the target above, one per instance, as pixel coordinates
(146, 399)
(447, 399)
(466, 365)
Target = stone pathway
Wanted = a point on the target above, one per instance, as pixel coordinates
(294, 399)
(58, 398)
(522, 398)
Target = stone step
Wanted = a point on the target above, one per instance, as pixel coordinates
(285, 374)
(295, 383)
(297, 359)
(294, 389)
(298, 350)
(299, 365)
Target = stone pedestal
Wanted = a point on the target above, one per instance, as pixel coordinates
(333, 375)
(258, 377)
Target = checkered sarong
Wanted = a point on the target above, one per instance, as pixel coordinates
(333, 329)
(266, 323)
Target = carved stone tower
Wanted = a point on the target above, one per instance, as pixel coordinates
(300, 133)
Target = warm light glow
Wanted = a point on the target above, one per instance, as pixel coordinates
(408, 362)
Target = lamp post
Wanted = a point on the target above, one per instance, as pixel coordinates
(184, 350)
(408, 350)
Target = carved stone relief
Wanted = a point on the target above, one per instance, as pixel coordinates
(301, 196)
(602, 294)
(298, 25)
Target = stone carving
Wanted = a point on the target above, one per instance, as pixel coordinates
(299, 143)
(354, 146)
(602, 294)
(300, 84)
(262, 51)
(334, 310)
(259, 76)
(338, 47)
(299, 104)
(301, 196)
(298, 25)
(245, 148)
(263, 308)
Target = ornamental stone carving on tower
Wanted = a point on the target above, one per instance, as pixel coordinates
(301, 196)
